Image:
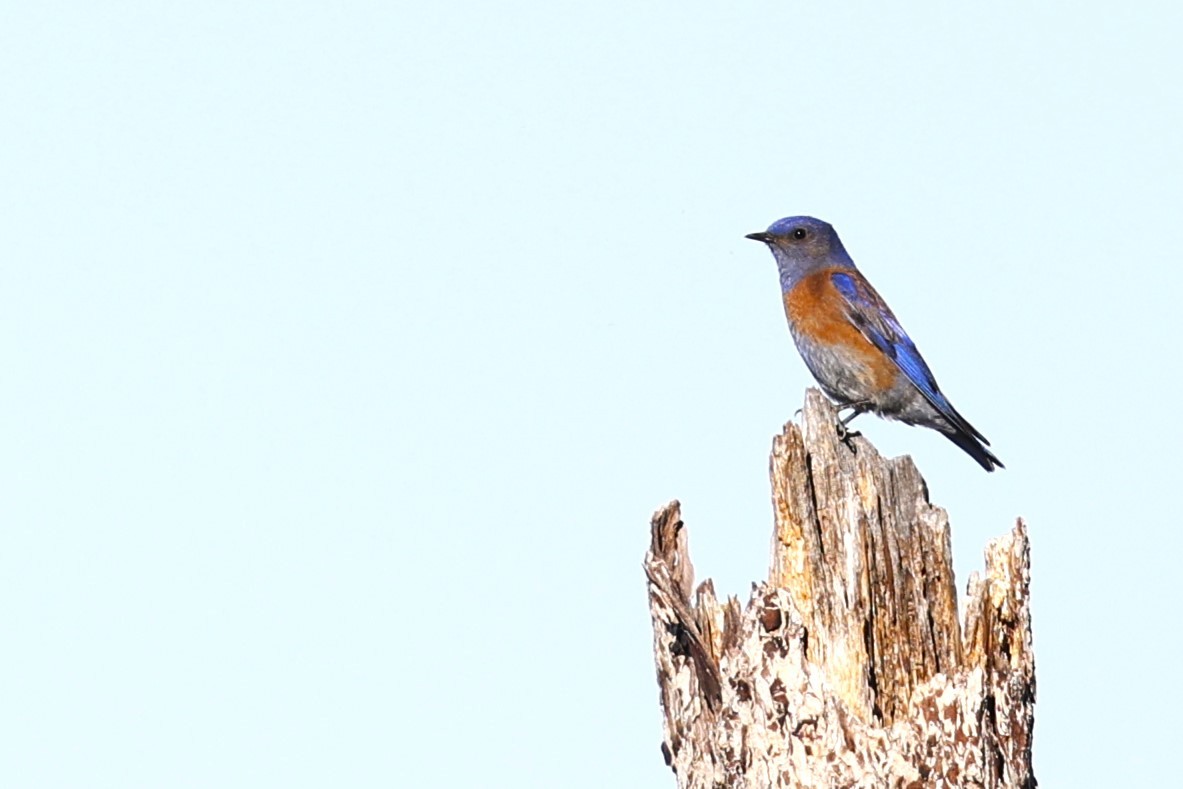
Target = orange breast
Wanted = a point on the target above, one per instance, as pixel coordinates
(816, 310)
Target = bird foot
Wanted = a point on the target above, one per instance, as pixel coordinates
(846, 435)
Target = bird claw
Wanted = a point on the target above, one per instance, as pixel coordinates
(845, 435)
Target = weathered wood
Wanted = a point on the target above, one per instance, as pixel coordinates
(848, 667)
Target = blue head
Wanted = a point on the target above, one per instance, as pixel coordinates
(801, 246)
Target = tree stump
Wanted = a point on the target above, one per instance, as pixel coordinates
(848, 667)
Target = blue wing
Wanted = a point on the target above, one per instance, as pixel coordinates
(866, 309)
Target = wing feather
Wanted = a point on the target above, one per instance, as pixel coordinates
(866, 309)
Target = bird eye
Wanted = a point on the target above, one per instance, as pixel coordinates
(799, 233)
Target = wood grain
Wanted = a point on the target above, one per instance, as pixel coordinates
(848, 667)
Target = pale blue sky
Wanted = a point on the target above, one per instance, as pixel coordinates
(349, 347)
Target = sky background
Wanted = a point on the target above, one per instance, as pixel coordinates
(348, 348)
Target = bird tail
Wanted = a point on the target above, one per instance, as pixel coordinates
(974, 449)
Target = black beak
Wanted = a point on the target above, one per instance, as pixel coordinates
(762, 237)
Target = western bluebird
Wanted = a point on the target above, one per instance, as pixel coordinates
(851, 341)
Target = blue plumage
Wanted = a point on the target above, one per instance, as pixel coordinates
(877, 368)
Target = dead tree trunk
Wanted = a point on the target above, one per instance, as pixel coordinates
(848, 667)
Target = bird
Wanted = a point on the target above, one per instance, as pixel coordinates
(851, 341)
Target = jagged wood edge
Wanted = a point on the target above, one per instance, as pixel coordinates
(969, 726)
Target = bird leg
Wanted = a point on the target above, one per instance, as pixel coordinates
(858, 407)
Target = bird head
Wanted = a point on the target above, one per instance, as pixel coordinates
(801, 246)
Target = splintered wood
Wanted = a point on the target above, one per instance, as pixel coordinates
(848, 667)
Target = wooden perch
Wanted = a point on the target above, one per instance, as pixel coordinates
(848, 667)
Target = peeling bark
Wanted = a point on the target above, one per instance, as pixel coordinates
(848, 667)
